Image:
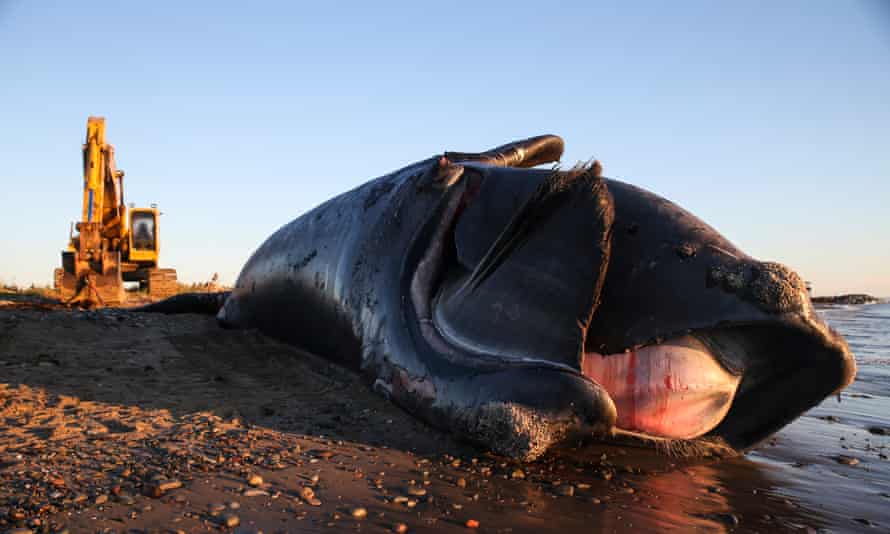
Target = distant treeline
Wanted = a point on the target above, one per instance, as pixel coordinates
(853, 298)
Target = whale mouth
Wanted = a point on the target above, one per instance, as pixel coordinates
(676, 389)
(738, 383)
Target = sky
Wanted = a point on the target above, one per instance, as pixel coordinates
(768, 120)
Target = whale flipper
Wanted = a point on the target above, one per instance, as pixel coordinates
(523, 154)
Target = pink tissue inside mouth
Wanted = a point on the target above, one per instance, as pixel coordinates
(675, 389)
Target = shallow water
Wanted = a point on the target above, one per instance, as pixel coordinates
(805, 455)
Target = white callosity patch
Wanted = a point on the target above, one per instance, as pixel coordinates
(675, 389)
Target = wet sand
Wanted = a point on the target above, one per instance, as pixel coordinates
(116, 421)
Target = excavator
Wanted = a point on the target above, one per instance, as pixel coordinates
(113, 244)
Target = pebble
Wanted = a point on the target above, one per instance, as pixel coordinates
(17, 515)
(879, 430)
(100, 499)
(566, 490)
(517, 473)
(846, 460)
(472, 523)
(20, 531)
(255, 480)
(400, 528)
(308, 495)
(255, 492)
(231, 520)
(159, 488)
(359, 513)
(416, 492)
(461, 482)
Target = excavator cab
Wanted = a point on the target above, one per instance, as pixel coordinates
(144, 235)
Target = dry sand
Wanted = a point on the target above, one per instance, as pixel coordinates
(115, 422)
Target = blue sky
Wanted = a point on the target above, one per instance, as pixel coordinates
(769, 120)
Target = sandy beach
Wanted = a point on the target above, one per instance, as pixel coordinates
(116, 422)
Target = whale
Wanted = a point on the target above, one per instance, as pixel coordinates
(523, 306)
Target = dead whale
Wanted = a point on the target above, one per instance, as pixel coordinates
(521, 307)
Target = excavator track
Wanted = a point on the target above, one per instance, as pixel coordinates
(161, 283)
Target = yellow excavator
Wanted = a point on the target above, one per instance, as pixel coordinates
(114, 244)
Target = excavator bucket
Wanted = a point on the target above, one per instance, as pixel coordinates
(91, 286)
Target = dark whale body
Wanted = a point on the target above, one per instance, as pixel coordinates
(474, 291)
